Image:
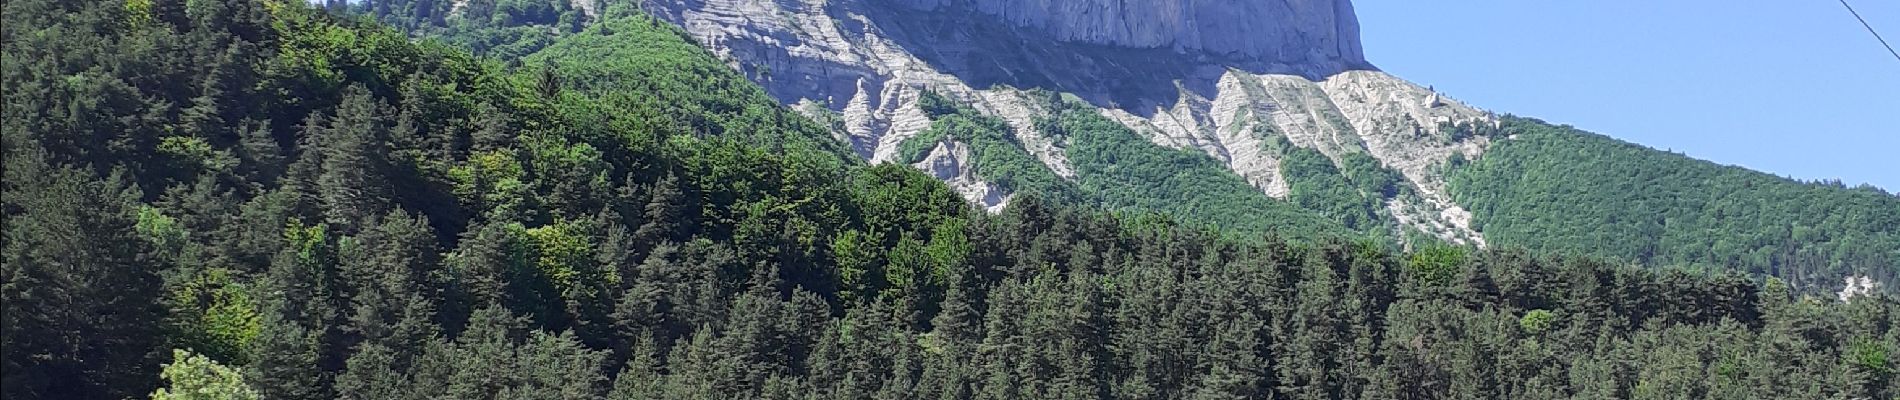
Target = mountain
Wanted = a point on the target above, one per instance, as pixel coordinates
(1278, 93)
(244, 199)
(1177, 74)
(1312, 33)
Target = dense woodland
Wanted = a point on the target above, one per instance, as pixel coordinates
(1558, 189)
(242, 199)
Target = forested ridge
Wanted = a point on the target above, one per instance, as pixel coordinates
(241, 199)
(1556, 188)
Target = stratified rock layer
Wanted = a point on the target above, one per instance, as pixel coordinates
(1314, 32)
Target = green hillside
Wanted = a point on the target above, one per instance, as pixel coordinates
(238, 199)
(1552, 188)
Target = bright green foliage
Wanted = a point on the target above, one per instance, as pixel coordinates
(908, 268)
(1870, 356)
(934, 105)
(491, 179)
(563, 252)
(195, 377)
(1352, 190)
(1536, 321)
(216, 316)
(194, 152)
(949, 251)
(309, 245)
(1555, 188)
(163, 232)
(138, 12)
(1436, 264)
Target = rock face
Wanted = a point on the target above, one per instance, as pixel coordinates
(1366, 112)
(950, 162)
(1857, 286)
(1224, 77)
(1310, 32)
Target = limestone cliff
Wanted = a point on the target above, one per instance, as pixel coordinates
(1306, 32)
(1219, 76)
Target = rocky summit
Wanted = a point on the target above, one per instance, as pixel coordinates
(1302, 32)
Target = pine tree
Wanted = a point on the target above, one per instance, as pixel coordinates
(354, 183)
(302, 177)
(641, 378)
(485, 355)
(1074, 315)
(1233, 367)
(664, 215)
(1001, 356)
(1309, 369)
(494, 267)
(81, 290)
(286, 359)
(433, 372)
(548, 83)
(951, 345)
(298, 347)
(591, 301)
(397, 283)
(372, 374)
(555, 367)
(410, 137)
(491, 130)
(641, 315)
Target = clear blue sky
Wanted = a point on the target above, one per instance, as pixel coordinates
(1792, 88)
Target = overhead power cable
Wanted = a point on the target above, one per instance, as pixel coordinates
(1870, 29)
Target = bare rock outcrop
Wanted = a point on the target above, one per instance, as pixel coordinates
(1368, 112)
(1230, 127)
(833, 54)
(1306, 32)
(949, 161)
(1401, 124)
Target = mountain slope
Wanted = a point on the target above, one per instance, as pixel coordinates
(1559, 189)
(1262, 114)
(870, 62)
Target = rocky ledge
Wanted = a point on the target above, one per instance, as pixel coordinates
(1301, 32)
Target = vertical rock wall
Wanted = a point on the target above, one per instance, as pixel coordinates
(1312, 32)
